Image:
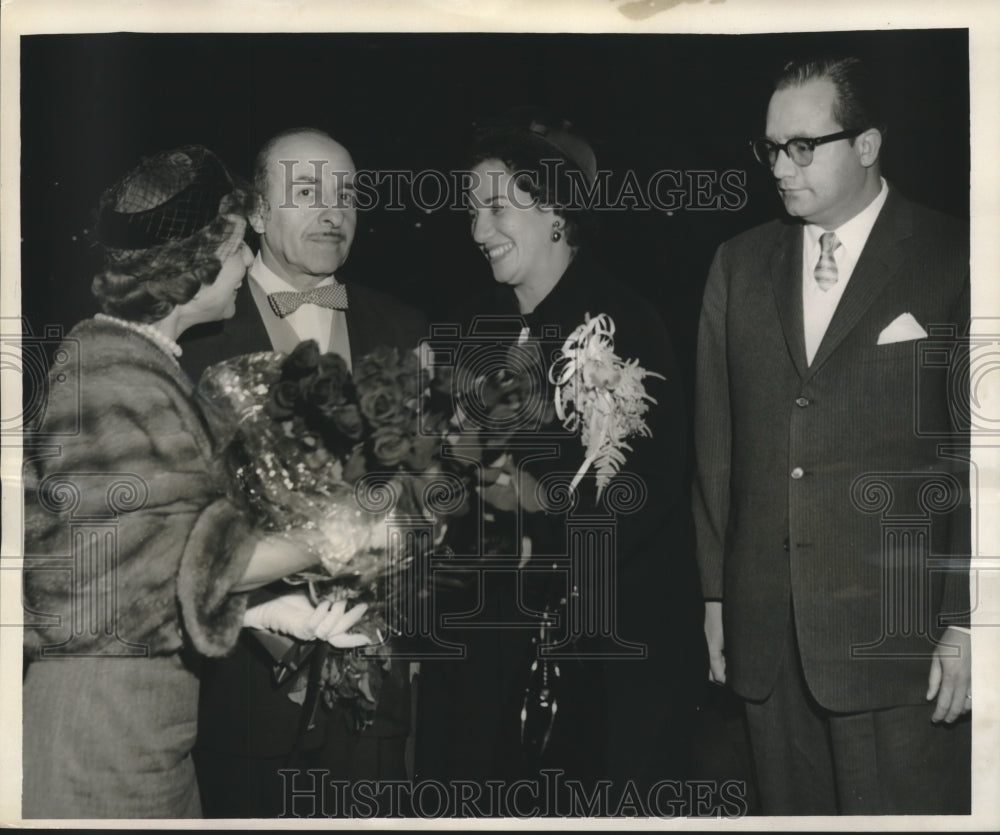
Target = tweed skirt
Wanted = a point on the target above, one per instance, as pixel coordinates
(110, 738)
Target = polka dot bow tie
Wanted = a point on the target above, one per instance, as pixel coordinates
(286, 302)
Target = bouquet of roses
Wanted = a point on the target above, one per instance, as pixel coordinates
(306, 431)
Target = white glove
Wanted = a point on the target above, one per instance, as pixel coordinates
(294, 614)
(335, 621)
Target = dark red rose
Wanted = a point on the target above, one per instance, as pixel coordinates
(333, 366)
(390, 446)
(375, 381)
(347, 419)
(284, 396)
(380, 361)
(325, 394)
(381, 401)
(302, 361)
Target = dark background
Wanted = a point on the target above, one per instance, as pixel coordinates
(92, 105)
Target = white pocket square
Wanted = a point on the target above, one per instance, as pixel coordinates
(903, 328)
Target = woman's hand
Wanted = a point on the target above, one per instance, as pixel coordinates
(294, 614)
(334, 622)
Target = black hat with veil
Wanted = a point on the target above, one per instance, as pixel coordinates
(165, 229)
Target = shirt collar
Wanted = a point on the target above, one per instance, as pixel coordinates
(271, 282)
(854, 233)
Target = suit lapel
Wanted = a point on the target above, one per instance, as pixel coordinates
(245, 332)
(786, 281)
(280, 335)
(880, 260)
(361, 328)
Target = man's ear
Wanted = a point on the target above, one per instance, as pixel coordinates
(868, 145)
(259, 214)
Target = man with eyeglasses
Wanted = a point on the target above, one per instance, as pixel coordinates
(833, 527)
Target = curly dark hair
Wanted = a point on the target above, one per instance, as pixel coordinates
(166, 227)
(533, 145)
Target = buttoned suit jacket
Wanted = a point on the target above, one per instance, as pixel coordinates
(831, 485)
(241, 712)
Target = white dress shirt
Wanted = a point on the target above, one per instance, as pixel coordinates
(327, 327)
(818, 306)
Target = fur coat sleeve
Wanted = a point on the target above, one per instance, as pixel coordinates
(132, 544)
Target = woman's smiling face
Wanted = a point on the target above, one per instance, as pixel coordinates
(511, 229)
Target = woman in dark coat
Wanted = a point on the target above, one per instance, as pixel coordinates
(136, 554)
(619, 716)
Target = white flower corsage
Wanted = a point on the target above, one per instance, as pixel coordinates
(602, 395)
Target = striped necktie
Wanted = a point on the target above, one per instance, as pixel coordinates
(826, 267)
(286, 302)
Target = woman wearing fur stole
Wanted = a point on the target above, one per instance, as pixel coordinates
(138, 555)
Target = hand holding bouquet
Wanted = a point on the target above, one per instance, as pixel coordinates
(295, 614)
(305, 432)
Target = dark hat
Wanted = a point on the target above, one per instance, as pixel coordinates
(570, 145)
(541, 129)
(166, 200)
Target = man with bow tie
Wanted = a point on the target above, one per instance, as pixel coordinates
(831, 489)
(306, 219)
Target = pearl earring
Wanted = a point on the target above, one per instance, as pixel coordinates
(556, 234)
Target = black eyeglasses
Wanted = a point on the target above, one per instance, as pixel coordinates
(799, 149)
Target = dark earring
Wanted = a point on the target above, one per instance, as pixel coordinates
(556, 234)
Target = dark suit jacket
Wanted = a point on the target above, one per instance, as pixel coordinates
(241, 712)
(845, 539)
